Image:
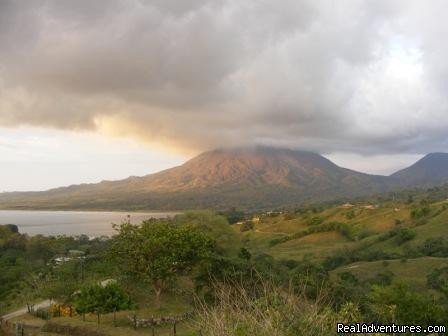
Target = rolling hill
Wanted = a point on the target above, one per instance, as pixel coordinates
(246, 178)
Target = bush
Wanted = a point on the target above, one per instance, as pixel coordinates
(438, 280)
(403, 235)
(436, 247)
(233, 215)
(246, 226)
(418, 213)
(315, 221)
(279, 240)
(348, 231)
(350, 214)
(399, 304)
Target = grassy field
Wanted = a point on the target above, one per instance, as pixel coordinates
(367, 225)
(410, 271)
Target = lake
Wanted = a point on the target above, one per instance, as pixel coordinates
(92, 224)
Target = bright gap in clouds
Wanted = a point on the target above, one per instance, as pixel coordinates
(39, 159)
(403, 61)
(374, 164)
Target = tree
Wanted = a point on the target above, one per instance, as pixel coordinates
(157, 252)
(61, 282)
(98, 299)
(438, 279)
(214, 226)
(233, 215)
(399, 304)
(403, 235)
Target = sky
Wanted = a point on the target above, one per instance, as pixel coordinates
(93, 90)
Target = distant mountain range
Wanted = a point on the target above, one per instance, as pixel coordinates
(246, 178)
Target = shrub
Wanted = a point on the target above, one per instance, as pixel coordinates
(315, 221)
(436, 247)
(348, 231)
(350, 214)
(418, 213)
(247, 226)
(399, 304)
(279, 240)
(403, 235)
(438, 279)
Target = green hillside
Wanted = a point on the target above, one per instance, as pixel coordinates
(326, 263)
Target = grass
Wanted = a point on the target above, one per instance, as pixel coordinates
(273, 311)
(123, 327)
(368, 224)
(412, 271)
(106, 326)
(315, 246)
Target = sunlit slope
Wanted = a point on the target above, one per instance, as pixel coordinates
(362, 229)
(410, 271)
(247, 178)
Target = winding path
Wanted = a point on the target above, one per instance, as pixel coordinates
(23, 311)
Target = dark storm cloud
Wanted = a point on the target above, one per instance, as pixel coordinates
(354, 76)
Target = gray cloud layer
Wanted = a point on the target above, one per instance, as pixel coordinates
(346, 75)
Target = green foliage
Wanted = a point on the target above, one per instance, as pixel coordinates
(403, 235)
(214, 226)
(61, 282)
(233, 215)
(346, 288)
(309, 278)
(438, 279)
(350, 214)
(244, 254)
(399, 304)
(421, 212)
(316, 221)
(347, 230)
(28, 269)
(273, 311)
(400, 235)
(247, 226)
(436, 247)
(158, 252)
(98, 299)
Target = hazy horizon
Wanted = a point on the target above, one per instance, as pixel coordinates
(136, 166)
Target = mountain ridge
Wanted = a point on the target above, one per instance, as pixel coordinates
(256, 177)
(432, 168)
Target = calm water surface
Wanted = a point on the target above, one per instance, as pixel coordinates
(93, 224)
